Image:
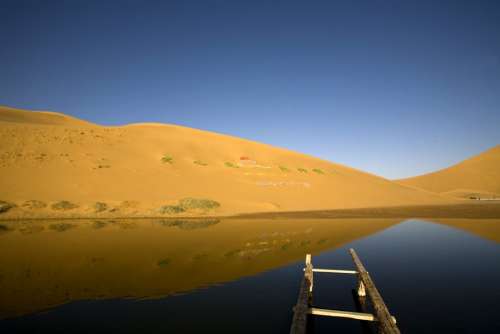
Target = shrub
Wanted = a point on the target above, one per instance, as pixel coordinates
(171, 209)
(100, 207)
(167, 159)
(302, 170)
(230, 165)
(61, 227)
(6, 206)
(34, 204)
(201, 163)
(284, 169)
(3, 228)
(318, 171)
(64, 205)
(198, 203)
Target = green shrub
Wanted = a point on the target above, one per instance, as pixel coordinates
(230, 165)
(34, 204)
(198, 203)
(6, 206)
(100, 207)
(201, 163)
(61, 227)
(318, 171)
(171, 209)
(167, 159)
(64, 205)
(284, 169)
(302, 170)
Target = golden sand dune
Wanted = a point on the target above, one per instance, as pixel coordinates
(53, 165)
(477, 177)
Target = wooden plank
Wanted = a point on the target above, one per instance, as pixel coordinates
(386, 323)
(341, 314)
(299, 322)
(335, 271)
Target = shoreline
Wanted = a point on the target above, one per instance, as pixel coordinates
(462, 210)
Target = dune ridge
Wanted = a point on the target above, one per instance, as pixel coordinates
(53, 165)
(475, 177)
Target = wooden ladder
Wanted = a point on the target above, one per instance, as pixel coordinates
(385, 321)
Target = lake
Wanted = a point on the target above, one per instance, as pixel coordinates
(242, 276)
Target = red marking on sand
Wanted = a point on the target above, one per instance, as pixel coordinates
(244, 158)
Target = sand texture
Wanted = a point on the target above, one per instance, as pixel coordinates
(53, 165)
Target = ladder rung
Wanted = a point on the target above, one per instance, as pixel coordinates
(341, 314)
(335, 271)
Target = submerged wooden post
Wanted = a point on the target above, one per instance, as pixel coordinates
(301, 309)
(386, 322)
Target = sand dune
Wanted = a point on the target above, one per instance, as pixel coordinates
(478, 176)
(53, 165)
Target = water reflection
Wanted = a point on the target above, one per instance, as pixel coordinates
(47, 263)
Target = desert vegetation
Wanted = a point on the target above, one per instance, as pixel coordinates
(302, 170)
(284, 169)
(200, 163)
(171, 209)
(167, 159)
(34, 204)
(230, 165)
(99, 207)
(64, 205)
(190, 203)
(6, 206)
(318, 171)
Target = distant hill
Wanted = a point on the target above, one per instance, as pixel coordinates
(478, 176)
(53, 165)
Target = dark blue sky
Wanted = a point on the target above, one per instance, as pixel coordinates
(396, 88)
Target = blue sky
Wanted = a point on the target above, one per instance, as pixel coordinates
(396, 88)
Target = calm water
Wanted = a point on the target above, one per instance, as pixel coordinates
(243, 276)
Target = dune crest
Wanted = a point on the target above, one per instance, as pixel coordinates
(476, 177)
(149, 169)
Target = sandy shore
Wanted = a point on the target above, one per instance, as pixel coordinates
(477, 210)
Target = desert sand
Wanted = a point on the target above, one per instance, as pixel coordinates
(54, 165)
(476, 177)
